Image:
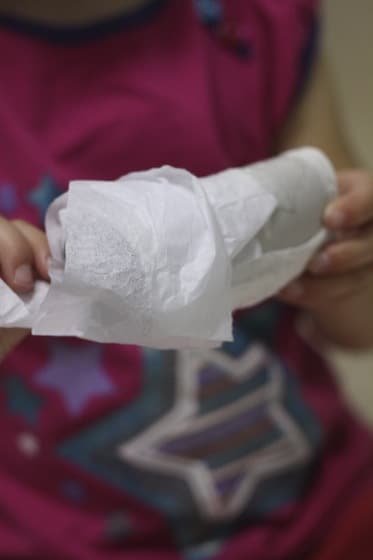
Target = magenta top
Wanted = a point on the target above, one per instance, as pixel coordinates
(114, 452)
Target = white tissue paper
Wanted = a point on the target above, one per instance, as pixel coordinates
(161, 258)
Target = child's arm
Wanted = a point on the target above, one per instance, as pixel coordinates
(338, 289)
(23, 255)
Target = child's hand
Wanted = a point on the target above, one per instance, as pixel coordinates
(24, 253)
(23, 257)
(345, 267)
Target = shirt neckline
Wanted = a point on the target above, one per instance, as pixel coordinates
(71, 35)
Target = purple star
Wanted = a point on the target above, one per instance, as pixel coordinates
(8, 199)
(76, 373)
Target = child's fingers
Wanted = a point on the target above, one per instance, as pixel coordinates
(348, 255)
(312, 293)
(354, 206)
(16, 258)
(39, 246)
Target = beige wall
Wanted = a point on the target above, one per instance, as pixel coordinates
(349, 44)
(349, 47)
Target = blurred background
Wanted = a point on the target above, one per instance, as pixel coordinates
(349, 47)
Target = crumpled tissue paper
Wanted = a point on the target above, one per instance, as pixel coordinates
(161, 258)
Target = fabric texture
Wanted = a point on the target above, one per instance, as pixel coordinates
(352, 536)
(110, 452)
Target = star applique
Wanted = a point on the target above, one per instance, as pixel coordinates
(76, 374)
(43, 195)
(21, 400)
(208, 436)
(222, 451)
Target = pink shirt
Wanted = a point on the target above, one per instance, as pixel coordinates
(110, 452)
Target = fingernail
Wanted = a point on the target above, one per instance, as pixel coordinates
(23, 276)
(294, 290)
(320, 263)
(334, 218)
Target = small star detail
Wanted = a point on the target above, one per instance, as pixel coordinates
(77, 375)
(8, 199)
(44, 194)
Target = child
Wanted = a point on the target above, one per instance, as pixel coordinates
(113, 452)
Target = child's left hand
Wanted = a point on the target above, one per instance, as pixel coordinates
(344, 268)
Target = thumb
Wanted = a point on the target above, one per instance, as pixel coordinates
(16, 258)
(37, 241)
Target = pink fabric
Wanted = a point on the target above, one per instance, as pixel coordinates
(168, 91)
(352, 537)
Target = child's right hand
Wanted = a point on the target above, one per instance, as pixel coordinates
(24, 253)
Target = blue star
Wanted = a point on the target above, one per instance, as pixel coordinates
(44, 194)
(8, 199)
(22, 401)
(76, 374)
